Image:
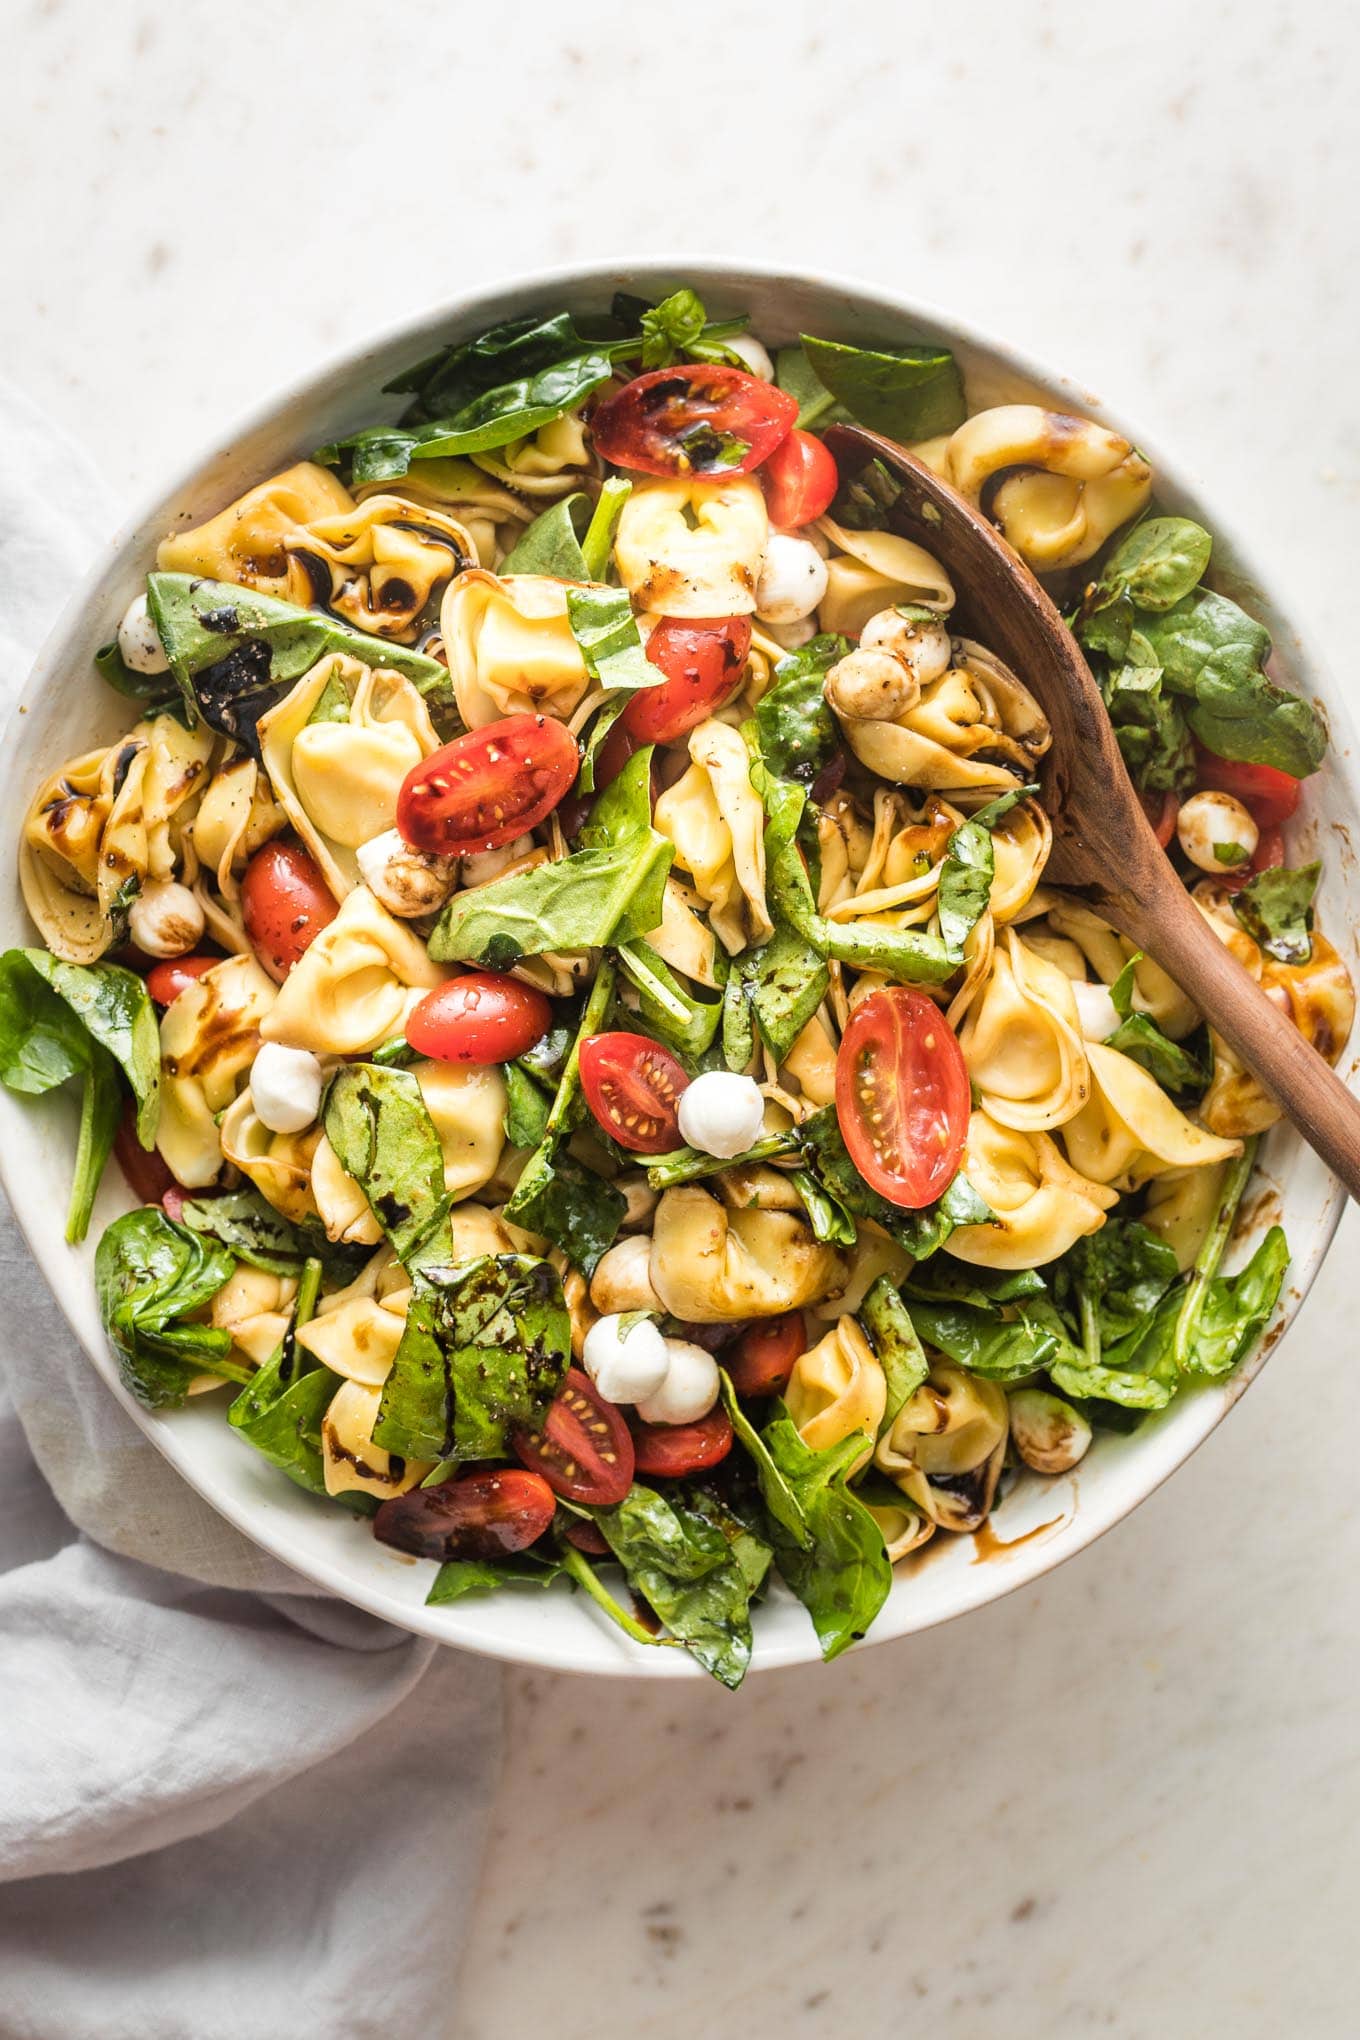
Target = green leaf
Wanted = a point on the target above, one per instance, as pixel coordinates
(281, 1408)
(866, 501)
(690, 1165)
(155, 691)
(1150, 729)
(559, 1197)
(681, 1560)
(965, 887)
(526, 1107)
(1157, 563)
(920, 1232)
(1004, 1349)
(892, 1334)
(829, 1218)
(795, 730)
(909, 393)
(552, 543)
(1237, 1309)
(676, 1012)
(605, 628)
(1212, 652)
(598, 543)
(670, 328)
(836, 1563)
(249, 1227)
(1112, 1281)
(584, 901)
(235, 653)
(780, 985)
(450, 379)
(987, 1289)
(114, 1008)
(816, 405)
(1276, 909)
(459, 1577)
(150, 1276)
(383, 1135)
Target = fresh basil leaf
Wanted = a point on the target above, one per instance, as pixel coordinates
(909, 393)
(838, 1566)
(965, 886)
(459, 1577)
(1157, 563)
(150, 1275)
(526, 1107)
(1213, 654)
(383, 1135)
(235, 653)
(670, 328)
(605, 628)
(1276, 909)
(892, 1334)
(1170, 1062)
(552, 543)
(795, 730)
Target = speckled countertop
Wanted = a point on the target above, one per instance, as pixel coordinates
(1125, 1800)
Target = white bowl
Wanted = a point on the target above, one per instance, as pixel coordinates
(66, 709)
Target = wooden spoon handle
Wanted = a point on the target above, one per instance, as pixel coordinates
(1168, 925)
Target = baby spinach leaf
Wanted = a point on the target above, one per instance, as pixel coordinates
(557, 1195)
(1276, 909)
(605, 628)
(150, 1275)
(987, 1289)
(795, 730)
(253, 1231)
(690, 1165)
(1150, 728)
(1237, 1308)
(1111, 1281)
(114, 1008)
(677, 1013)
(598, 543)
(235, 653)
(526, 1107)
(282, 1419)
(1213, 653)
(920, 1232)
(450, 379)
(459, 1577)
(383, 1135)
(965, 887)
(909, 393)
(584, 901)
(836, 1563)
(781, 985)
(892, 1334)
(552, 543)
(829, 1218)
(816, 405)
(155, 691)
(679, 1558)
(1000, 1349)
(1156, 563)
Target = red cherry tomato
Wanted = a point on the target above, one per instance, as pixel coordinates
(700, 419)
(800, 480)
(1269, 853)
(587, 1538)
(763, 1358)
(703, 662)
(487, 787)
(1270, 796)
(677, 1449)
(479, 1018)
(148, 1175)
(902, 1096)
(633, 1087)
(165, 981)
(285, 903)
(475, 1515)
(1161, 810)
(584, 1450)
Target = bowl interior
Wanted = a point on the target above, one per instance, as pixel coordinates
(65, 709)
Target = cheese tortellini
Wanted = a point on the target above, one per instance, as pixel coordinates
(693, 547)
(945, 1446)
(709, 1264)
(971, 728)
(355, 984)
(1042, 1205)
(209, 1038)
(714, 817)
(510, 648)
(1022, 1042)
(838, 1389)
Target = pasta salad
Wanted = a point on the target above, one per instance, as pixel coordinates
(564, 958)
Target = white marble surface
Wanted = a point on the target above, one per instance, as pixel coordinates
(1124, 1801)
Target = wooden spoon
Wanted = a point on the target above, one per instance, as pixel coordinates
(1103, 844)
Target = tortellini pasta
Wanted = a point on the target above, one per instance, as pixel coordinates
(547, 462)
(1022, 1042)
(715, 819)
(466, 1101)
(359, 1339)
(247, 542)
(1042, 1205)
(489, 513)
(709, 1264)
(354, 985)
(278, 1164)
(351, 1460)
(1066, 483)
(946, 1444)
(973, 729)
(209, 1038)
(870, 569)
(255, 1307)
(337, 748)
(838, 1390)
(510, 647)
(693, 547)
(1130, 1129)
(236, 816)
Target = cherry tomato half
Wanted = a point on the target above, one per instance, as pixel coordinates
(1269, 853)
(584, 1450)
(703, 662)
(800, 480)
(1269, 795)
(633, 1087)
(475, 1515)
(148, 1174)
(285, 903)
(902, 1096)
(479, 1018)
(698, 419)
(1161, 810)
(764, 1356)
(678, 1449)
(587, 1538)
(165, 981)
(487, 787)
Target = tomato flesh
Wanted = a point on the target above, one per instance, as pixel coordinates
(483, 1514)
(704, 662)
(800, 479)
(584, 1450)
(1267, 794)
(479, 1018)
(488, 786)
(285, 903)
(1161, 810)
(165, 981)
(1268, 854)
(633, 1086)
(902, 1096)
(765, 1354)
(695, 419)
(148, 1174)
(673, 1450)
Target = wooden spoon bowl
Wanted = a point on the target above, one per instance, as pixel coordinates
(1103, 844)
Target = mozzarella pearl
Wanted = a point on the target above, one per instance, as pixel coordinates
(165, 919)
(689, 1390)
(483, 865)
(721, 1113)
(285, 1087)
(1216, 832)
(925, 649)
(1096, 1011)
(139, 641)
(626, 1362)
(792, 579)
(408, 882)
(752, 355)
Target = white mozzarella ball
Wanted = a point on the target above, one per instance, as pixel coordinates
(792, 579)
(165, 919)
(721, 1113)
(408, 882)
(1216, 832)
(752, 355)
(285, 1086)
(626, 1362)
(481, 866)
(689, 1390)
(139, 640)
(1096, 1011)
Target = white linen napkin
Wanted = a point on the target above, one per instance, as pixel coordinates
(225, 1798)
